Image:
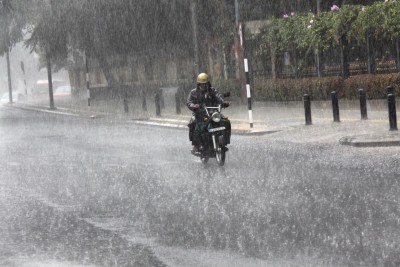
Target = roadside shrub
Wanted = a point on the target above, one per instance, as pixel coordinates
(231, 85)
(320, 88)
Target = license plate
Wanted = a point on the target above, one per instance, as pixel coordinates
(216, 129)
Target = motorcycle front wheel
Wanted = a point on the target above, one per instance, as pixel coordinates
(204, 160)
(220, 155)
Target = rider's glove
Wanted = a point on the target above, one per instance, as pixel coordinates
(195, 106)
(226, 104)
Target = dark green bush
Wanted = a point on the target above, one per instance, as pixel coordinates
(320, 88)
(231, 85)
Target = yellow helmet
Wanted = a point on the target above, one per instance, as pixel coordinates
(202, 78)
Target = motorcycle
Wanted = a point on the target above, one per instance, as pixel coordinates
(215, 134)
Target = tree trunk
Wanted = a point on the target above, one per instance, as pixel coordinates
(296, 68)
(106, 68)
(50, 80)
(100, 52)
(398, 54)
(318, 62)
(273, 64)
(9, 77)
(370, 54)
(345, 58)
(196, 63)
(225, 64)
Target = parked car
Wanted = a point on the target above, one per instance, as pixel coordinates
(41, 88)
(63, 91)
(16, 97)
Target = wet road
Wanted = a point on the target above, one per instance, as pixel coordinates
(42, 159)
(92, 192)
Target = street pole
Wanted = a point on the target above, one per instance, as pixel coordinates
(248, 91)
(9, 77)
(245, 61)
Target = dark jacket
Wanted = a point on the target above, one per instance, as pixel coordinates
(210, 98)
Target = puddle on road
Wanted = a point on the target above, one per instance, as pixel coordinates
(175, 256)
(13, 164)
(29, 262)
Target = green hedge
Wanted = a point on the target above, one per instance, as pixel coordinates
(231, 85)
(320, 88)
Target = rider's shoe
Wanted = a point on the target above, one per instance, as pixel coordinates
(226, 149)
(195, 150)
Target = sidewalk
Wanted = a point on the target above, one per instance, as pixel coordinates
(268, 118)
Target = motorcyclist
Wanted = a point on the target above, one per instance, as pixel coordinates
(203, 95)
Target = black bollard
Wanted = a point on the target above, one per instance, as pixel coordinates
(177, 103)
(158, 104)
(363, 104)
(144, 102)
(335, 107)
(390, 90)
(162, 102)
(307, 108)
(392, 111)
(126, 107)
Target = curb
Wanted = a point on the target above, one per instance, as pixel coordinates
(155, 122)
(159, 124)
(172, 123)
(57, 111)
(44, 109)
(371, 141)
(253, 132)
(367, 140)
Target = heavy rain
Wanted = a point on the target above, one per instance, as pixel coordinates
(97, 164)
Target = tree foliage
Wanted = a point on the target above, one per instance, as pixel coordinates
(381, 20)
(161, 28)
(14, 19)
(49, 33)
(347, 26)
(102, 29)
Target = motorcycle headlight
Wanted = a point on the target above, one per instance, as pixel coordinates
(216, 117)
